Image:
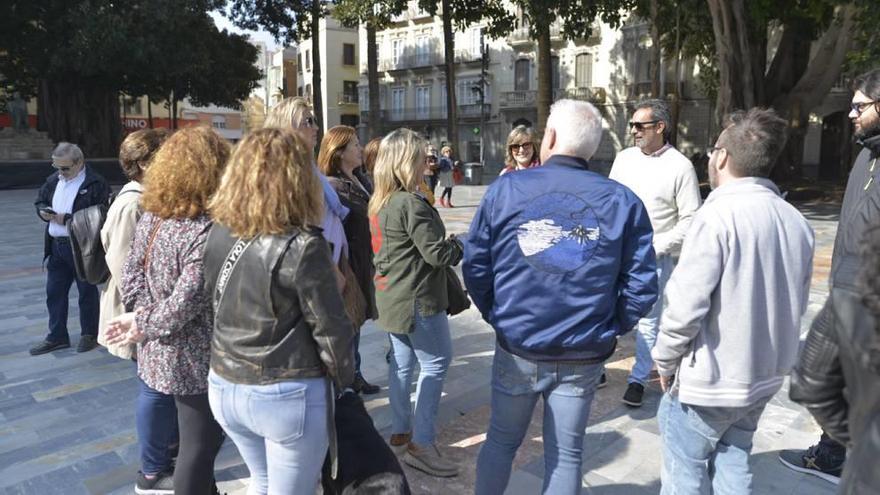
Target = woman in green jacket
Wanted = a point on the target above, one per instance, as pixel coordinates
(411, 253)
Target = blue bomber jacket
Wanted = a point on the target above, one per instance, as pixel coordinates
(559, 260)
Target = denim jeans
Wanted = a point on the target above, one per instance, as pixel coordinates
(61, 275)
(649, 325)
(156, 420)
(280, 430)
(517, 383)
(430, 344)
(706, 449)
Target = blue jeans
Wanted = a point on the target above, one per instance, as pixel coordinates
(517, 383)
(280, 430)
(61, 275)
(430, 344)
(649, 325)
(706, 449)
(156, 420)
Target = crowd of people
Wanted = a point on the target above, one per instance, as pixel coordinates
(239, 279)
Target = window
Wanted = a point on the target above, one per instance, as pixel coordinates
(554, 64)
(308, 94)
(584, 70)
(132, 106)
(364, 100)
(476, 42)
(467, 92)
(521, 75)
(423, 102)
(396, 51)
(349, 91)
(443, 109)
(398, 102)
(308, 61)
(349, 120)
(219, 122)
(423, 50)
(347, 54)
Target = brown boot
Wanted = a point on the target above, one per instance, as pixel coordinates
(399, 442)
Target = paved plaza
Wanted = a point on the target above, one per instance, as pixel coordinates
(67, 419)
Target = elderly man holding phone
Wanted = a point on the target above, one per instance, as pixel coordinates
(72, 188)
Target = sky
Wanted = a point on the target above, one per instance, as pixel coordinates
(224, 23)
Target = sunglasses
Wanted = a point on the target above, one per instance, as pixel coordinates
(641, 126)
(61, 168)
(859, 108)
(517, 147)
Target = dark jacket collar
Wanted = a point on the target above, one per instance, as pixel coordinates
(89, 178)
(568, 161)
(872, 143)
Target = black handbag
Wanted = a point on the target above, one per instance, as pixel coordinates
(458, 297)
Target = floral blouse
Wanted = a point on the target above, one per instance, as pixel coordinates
(173, 310)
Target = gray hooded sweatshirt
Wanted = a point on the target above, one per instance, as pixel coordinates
(731, 326)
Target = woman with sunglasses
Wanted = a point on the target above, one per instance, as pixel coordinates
(522, 149)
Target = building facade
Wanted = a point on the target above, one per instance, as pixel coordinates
(339, 72)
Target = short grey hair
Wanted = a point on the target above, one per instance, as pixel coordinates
(578, 127)
(754, 140)
(659, 111)
(69, 151)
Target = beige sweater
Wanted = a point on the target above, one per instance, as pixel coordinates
(116, 236)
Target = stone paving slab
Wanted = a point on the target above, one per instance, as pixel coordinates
(67, 419)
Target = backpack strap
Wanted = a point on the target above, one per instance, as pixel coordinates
(227, 267)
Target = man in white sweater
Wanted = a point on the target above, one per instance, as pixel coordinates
(666, 182)
(730, 332)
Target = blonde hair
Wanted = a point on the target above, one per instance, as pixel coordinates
(288, 113)
(444, 149)
(184, 173)
(269, 186)
(521, 135)
(333, 145)
(398, 167)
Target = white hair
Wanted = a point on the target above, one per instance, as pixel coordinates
(68, 151)
(578, 127)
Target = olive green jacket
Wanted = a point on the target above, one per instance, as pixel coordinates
(411, 253)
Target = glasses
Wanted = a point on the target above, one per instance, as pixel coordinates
(641, 126)
(860, 107)
(61, 167)
(515, 148)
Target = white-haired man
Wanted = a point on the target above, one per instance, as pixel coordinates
(73, 187)
(559, 261)
(666, 182)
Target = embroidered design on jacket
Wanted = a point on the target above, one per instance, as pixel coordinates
(558, 233)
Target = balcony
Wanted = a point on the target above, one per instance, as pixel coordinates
(412, 61)
(468, 55)
(473, 110)
(521, 37)
(524, 99)
(593, 95)
(347, 98)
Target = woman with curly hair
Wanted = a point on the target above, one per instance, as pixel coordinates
(171, 318)
(280, 331)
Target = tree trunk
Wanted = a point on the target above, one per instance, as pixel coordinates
(174, 110)
(736, 85)
(80, 111)
(373, 126)
(149, 112)
(676, 95)
(449, 62)
(317, 93)
(545, 78)
(656, 55)
(813, 85)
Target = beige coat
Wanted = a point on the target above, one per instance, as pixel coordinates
(116, 236)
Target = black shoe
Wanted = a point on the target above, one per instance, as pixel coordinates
(362, 386)
(816, 461)
(633, 395)
(87, 343)
(48, 346)
(162, 484)
(603, 382)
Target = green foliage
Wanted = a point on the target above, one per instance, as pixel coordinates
(288, 21)
(138, 47)
(465, 13)
(377, 13)
(576, 16)
(865, 54)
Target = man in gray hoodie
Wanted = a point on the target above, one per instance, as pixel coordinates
(730, 332)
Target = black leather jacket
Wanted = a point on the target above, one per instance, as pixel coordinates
(282, 315)
(838, 373)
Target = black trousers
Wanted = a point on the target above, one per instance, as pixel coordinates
(200, 441)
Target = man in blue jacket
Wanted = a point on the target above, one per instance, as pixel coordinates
(559, 260)
(73, 187)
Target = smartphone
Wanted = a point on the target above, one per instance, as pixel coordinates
(47, 210)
